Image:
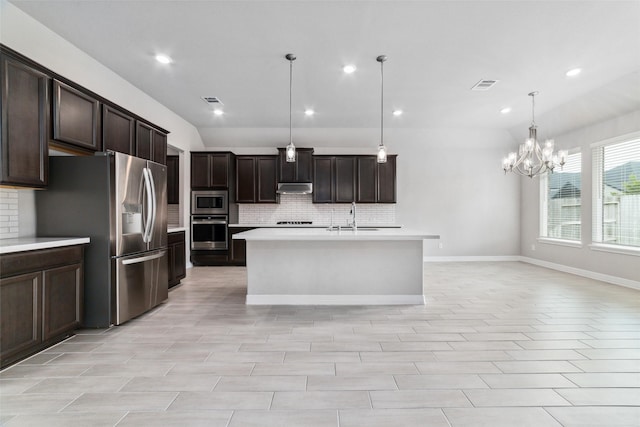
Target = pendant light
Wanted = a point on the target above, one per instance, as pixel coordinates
(382, 150)
(291, 149)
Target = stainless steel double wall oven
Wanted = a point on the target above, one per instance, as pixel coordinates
(209, 220)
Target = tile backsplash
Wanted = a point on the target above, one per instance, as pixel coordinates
(300, 207)
(9, 213)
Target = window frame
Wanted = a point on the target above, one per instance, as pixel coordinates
(597, 172)
(543, 231)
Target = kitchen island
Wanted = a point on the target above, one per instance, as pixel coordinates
(321, 267)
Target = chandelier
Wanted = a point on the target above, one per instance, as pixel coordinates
(531, 159)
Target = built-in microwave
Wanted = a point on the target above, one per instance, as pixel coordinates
(210, 202)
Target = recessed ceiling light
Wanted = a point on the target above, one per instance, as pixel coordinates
(309, 112)
(349, 69)
(574, 72)
(397, 112)
(218, 112)
(163, 59)
(505, 110)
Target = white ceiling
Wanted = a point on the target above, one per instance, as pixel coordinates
(437, 51)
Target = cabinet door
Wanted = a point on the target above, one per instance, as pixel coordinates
(173, 180)
(171, 271)
(25, 125)
(20, 314)
(345, 169)
(220, 170)
(62, 300)
(304, 165)
(286, 170)
(200, 171)
(76, 117)
(180, 259)
(159, 147)
(387, 181)
(238, 246)
(366, 179)
(267, 179)
(117, 131)
(323, 179)
(144, 134)
(299, 171)
(245, 179)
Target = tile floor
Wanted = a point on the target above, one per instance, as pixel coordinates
(498, 344)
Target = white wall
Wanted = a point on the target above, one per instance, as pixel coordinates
(27, 36)
(611, 264)
(450, 181)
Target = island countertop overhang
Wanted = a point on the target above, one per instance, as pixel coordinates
(314, 234)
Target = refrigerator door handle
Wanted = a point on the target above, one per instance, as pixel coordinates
(154, 207)
(148, 194)
(143, 258)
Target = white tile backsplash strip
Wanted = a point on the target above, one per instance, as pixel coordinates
(8, 213)
(173, 215)
(300, 207)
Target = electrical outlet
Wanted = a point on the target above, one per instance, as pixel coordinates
(440, 245)
(533, 247)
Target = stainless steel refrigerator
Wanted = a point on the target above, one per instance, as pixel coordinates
(120, 202)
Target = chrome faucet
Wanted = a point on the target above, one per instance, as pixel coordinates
(353, 216)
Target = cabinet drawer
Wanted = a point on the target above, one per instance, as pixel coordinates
(23, 262)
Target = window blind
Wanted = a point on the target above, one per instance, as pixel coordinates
(561, 201)
(616, 193)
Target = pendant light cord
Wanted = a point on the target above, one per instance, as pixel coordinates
(381, 102)
(290, 90)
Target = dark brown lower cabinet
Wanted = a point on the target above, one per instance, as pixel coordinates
(238, 246)
(41, 297)
(176, 247)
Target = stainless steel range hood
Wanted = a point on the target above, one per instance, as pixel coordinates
(295, 188)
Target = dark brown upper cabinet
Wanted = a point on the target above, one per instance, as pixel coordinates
(173, 180)
(117, 131)
(345, 180)
(386, 181)
(76, 117)
(25, 124)
(256, 179)
(159, 147)
(210, 170)
(323, 179)
(366, 172)
(299, 171)
(144, 136)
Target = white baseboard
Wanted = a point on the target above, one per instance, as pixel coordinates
(335, 300)
(471, 258)
(584, 273)
(566, 269)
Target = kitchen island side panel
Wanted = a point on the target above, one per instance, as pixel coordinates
(76, 203)
(335, 272)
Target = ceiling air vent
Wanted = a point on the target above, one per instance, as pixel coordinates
(484, 84)
(212, 100)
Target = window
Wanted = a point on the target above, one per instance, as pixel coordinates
(560, 194)
(616, 192)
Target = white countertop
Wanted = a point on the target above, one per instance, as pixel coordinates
(262, 225)
(315, 234)
(22, 244)
(176, 229)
